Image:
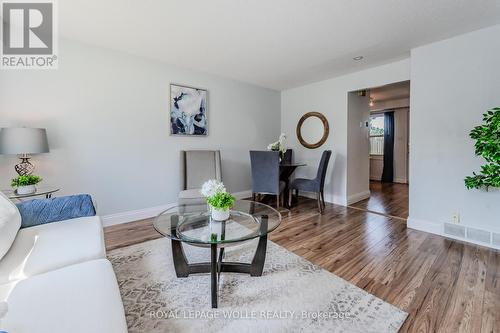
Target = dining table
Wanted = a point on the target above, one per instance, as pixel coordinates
(286, 171)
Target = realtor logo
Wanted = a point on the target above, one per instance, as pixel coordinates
(28, 35)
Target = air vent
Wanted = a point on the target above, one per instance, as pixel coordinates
(454, 230)
(478, 235)
(496, 239)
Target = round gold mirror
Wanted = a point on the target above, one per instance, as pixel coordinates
(313, 130)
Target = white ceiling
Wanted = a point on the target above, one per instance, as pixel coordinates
(272, 43)
(392, 91)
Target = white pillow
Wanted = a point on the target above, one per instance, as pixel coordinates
(10, 223)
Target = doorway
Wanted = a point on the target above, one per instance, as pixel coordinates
(387, 143)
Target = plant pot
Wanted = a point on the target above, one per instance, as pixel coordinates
(220, 214)
(27, 189)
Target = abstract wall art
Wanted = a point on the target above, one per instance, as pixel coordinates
(188, 111)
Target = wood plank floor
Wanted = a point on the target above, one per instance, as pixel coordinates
(444, 285)
(386, 198)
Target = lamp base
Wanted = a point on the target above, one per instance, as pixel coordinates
(24, 167)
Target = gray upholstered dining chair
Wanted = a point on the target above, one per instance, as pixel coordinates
(288, 157)
(315, 185)
(197, 166)
(266, 174)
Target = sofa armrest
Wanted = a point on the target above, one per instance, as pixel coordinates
(42, 211)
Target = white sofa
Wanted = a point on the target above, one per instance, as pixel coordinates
(55, 277)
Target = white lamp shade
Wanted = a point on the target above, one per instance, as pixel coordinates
(22, 140)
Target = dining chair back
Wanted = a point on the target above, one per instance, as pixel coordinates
(266, 174)
(315, 185)
(323, 166)
(198, 166)
(288, 157)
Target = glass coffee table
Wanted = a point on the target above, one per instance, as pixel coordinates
(191, 223)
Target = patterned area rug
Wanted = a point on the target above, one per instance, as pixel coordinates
(292, 295)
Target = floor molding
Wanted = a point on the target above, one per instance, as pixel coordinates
(378, 213)
(358, 197)
(438, 229)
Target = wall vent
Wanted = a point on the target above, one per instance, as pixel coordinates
(496, 239)
(454, 230)
(478, 235)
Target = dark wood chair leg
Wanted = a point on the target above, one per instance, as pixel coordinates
(278, 202)
(323, 199)
(254, 196)
(290, 194)
(320, 205)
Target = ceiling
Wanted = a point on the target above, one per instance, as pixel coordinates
(389, 92)
(276, 44)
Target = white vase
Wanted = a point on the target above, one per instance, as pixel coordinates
(28, 189)
(220, 214)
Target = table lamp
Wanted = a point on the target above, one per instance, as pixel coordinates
(24, 142)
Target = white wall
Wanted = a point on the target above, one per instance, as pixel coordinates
(453, 82)
(358, 148)
(107, 118)
(330, 98)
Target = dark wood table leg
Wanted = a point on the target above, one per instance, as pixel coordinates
(213, 273)
(180, 262)
(257, 265)
(285, 174)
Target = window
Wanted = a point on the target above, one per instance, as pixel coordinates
(377, 134)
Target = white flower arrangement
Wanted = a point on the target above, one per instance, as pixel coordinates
(218, 199)
(279, 145)
(212, 187)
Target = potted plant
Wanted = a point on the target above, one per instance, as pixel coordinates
(25, 184)
(487, 145)
(218, 199)
(279, 145)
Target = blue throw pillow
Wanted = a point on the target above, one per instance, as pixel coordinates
(42, 211)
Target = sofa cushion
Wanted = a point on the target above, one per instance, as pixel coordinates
(51, 246)
(10, 222)
(41, 211)
(81, 298)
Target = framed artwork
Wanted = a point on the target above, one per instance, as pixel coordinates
(188, 111)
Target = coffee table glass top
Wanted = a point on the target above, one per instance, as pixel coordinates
(192, 223)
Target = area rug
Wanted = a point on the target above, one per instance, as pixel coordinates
(292, 295)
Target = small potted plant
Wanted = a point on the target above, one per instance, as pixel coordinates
(279, 146)
(218, 199)
(25, 184)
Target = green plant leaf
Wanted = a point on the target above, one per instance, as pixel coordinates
(487, 145)
(221, 200)
(25, 180)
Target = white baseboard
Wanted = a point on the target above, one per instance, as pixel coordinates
(427, 226)
(146, 213)
(134, 215)
(438, 229)
(357, 197)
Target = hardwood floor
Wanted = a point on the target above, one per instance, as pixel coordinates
(386, 198)
(444, 285)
